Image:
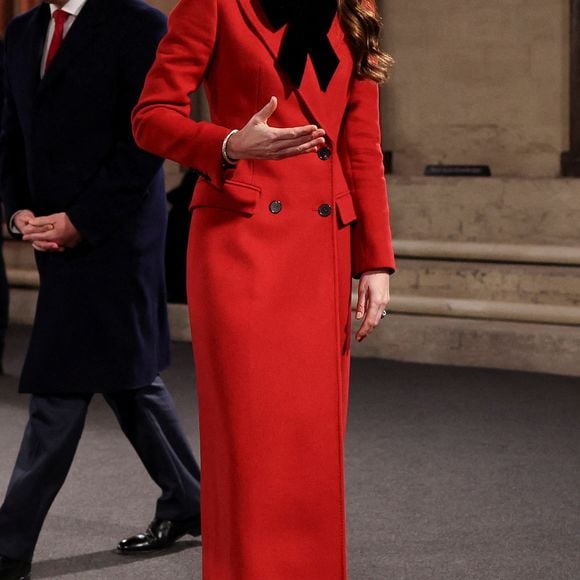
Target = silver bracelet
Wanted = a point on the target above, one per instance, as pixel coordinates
(225, 155)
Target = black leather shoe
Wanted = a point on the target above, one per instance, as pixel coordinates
(14, 569)
(160, 534)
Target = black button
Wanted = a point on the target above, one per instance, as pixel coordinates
(323, 153)
(276, 206)
(325, 210)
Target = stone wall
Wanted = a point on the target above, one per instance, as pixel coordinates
(173, 172)
(477, 82)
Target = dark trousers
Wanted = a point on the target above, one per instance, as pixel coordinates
(148, 419)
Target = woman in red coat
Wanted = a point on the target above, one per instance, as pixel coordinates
(286, 211)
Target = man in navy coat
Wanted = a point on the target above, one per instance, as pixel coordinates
(92, 205)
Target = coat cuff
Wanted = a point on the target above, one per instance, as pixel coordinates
(214, 162)
(365, 262)
(12, 229)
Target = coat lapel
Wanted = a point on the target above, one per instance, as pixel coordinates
(260, 26)
(33, 49)
(79, 38)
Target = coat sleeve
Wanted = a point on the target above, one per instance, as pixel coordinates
(14, 189)
(161, 120)
(122, 183)
(362, 159)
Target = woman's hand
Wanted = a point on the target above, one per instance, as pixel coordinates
(373, 298)
(257, 140)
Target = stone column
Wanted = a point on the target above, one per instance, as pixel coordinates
(571, 158)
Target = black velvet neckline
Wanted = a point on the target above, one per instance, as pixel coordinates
(309, 22)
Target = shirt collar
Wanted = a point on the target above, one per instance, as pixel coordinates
(73, 7)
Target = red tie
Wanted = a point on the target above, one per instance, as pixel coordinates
(60, 17)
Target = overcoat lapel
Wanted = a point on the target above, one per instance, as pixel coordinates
(80, 37)
(33, 49)
(259, 24)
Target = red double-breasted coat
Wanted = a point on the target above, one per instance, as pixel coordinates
(269, 284)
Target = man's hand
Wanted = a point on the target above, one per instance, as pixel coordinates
(373, 298)
(22, 221)
(257, 140)
(52, 233)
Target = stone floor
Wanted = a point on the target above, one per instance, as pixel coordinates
(452, 473)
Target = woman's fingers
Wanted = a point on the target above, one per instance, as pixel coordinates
(296, 141)
(263, 142)
(264, 114)
(285, 133)
(308, 147)
(289, 133)
(362, 308)
(302, 142)
(374, 289)
(371, 320)
(361, 302)
(257, 140)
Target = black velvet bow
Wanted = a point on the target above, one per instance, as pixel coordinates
(307, 34)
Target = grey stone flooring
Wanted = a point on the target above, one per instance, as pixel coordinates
(453, 474)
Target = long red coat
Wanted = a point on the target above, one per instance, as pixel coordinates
(269, 291)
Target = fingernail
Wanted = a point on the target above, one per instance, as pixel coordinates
(358, 315)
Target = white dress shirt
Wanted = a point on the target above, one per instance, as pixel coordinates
(73, 7)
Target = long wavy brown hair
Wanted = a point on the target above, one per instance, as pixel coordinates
(362, 25)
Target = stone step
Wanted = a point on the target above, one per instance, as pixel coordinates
(18, 255)
(488, 252)
(546, 313)
(19, 278)
(549, 295)
(520, 346)
(486, 210)
(487, 310)
(546, 348)
(456, 277)
(482, 309)
(23, 305)
(482, 281)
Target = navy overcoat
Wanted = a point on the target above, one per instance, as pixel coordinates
(101, 321)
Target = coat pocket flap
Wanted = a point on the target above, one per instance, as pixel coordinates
(234, 196)
(346, 211)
